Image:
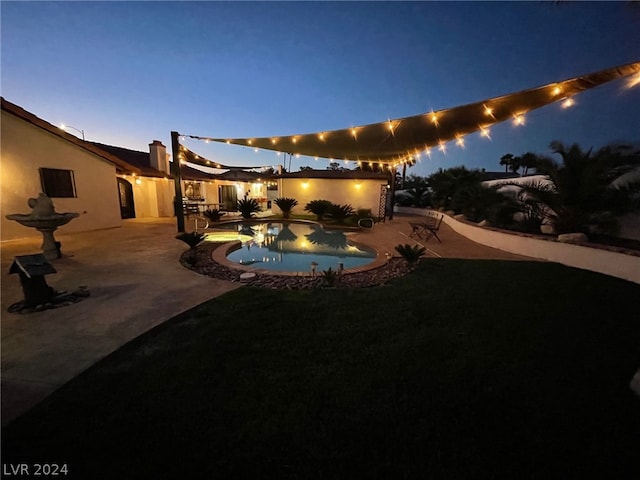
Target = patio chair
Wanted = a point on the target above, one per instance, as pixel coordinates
(426, 229)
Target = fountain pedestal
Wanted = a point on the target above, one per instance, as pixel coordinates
(49, 244)
(44, 219)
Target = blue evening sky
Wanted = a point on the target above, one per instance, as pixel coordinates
(130, 72)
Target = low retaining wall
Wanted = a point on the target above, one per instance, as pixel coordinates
(602, 260)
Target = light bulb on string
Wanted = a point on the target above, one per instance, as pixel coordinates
(518, 119)
(569, 102)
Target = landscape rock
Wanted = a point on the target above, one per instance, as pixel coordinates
(547, 229)
(576, 238)
(204, 265)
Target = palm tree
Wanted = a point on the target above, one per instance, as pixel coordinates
(581, 195)
(318, 207)
(248, 207)
(527, 161)
(286, 205)
(506, 160)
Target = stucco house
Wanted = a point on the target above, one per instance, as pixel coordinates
(107, 184)
(39, 157)
(360, 189)
(104, 183)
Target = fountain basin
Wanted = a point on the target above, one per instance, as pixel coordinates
(44, 219)
(53, 221)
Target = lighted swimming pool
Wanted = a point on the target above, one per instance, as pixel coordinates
(293, 247)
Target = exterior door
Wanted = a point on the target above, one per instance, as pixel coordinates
(228, 197)
(125, 192)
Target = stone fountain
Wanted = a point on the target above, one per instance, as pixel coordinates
(44, 218)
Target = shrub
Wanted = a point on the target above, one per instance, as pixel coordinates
(248, 207)
(329, 277)
(213, 214)
(411, 253)
(286, 205)
(318, 208)
(339, 213)
(191, 238)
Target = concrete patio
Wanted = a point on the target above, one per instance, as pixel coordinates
(136, 283)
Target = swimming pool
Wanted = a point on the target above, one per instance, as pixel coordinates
(293, 247)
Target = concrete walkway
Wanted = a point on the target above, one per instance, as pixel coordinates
(136, 283)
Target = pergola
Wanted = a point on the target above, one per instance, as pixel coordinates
(400, 141)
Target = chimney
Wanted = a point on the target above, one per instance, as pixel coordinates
(158, 156)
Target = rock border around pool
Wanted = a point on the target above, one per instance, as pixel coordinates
(210, 260)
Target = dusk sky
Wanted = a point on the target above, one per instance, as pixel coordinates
(128, 73)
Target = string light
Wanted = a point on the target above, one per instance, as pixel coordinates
(561, 92)
(518, 119)
(634, 80)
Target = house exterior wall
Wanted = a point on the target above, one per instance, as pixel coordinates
(25, 149)
(357, 193)
(152, 197)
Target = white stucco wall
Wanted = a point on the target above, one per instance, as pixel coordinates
(26, 148)
(152, 197)
(609, 262)
(357, 193)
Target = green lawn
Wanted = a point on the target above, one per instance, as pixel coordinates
(462, 369)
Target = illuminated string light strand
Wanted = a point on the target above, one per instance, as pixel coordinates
(366, 142)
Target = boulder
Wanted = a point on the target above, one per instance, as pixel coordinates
(247, 276)
(547, 229)
(576, 238)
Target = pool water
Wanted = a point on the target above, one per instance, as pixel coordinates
(292, 247)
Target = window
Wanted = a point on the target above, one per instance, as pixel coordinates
(58, 183)
(193, 191)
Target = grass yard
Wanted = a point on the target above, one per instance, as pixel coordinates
(462, 369)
